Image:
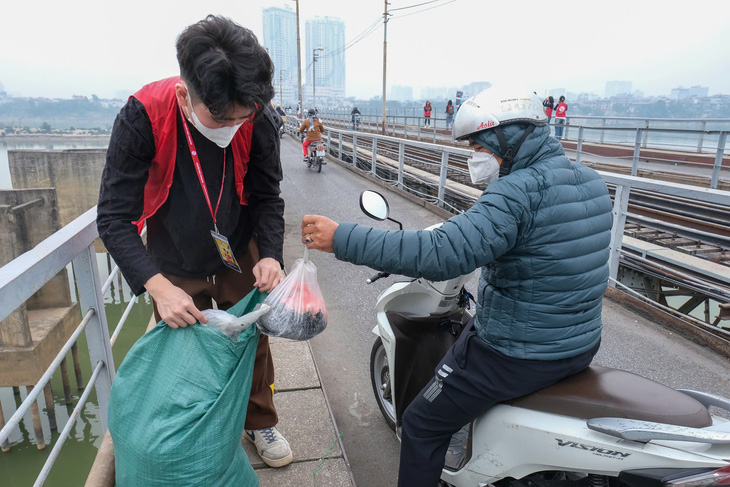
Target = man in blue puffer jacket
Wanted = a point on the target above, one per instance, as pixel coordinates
(541, 234)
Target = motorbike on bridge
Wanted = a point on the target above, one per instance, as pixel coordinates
(601, 427)
(316, 152)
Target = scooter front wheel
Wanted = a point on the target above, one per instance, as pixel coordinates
(380, 378)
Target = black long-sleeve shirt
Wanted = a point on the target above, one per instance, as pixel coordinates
(178, 239)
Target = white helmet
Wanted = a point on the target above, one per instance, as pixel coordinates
(492, 107)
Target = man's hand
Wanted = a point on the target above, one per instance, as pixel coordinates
(318, 232)
(268, 274)
(174, 305)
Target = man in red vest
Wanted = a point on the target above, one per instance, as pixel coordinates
(196, 158)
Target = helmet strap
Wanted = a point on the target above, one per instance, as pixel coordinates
(509, 153)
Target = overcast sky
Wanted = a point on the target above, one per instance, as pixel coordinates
(84, 47)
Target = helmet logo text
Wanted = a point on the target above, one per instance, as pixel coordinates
(485, 125)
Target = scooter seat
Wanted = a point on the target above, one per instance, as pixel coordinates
(599, 392)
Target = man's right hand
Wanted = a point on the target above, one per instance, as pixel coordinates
(174, 305)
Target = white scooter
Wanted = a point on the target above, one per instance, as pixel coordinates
(602, 427)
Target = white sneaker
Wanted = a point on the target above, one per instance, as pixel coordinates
(273, 448)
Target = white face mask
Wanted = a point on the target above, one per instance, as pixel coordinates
(221, 136)
(483, 168)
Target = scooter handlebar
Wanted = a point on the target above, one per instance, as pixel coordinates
(376, 277)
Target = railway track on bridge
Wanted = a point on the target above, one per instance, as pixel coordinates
(692, 227)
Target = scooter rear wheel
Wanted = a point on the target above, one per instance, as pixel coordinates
(319, 164)
(380, 378)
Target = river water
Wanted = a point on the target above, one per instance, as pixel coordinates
(20, 466)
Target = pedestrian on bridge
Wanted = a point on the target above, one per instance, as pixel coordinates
(549, 104)
(427, 114)
(196, 158)
(449, 114)
(560, 111)
(540, 233)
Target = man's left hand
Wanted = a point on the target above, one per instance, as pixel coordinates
(268, 274)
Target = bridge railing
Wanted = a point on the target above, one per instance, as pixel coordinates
(26, 274)
(365, 152)
(684, 134)
(660, 141)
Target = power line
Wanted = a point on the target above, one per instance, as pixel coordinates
(424, 10)
(368, 30)
(412, 6)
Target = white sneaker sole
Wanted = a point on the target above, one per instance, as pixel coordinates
(273, 462)
(281, 462)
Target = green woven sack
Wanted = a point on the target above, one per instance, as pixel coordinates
(178, 406)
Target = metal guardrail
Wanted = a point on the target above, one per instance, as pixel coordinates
(641, 138)
(697, 135)
(23, 276)
(624, 183)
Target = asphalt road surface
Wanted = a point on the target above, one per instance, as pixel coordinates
(342, 351)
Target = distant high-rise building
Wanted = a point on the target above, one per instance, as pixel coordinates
(680, 93)
(441, 93)
(698, 91)
(475, 88)
(327, 33)
(280, 40)
(614, 88)
(401, 93)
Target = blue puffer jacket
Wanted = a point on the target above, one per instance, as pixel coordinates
(541, 236)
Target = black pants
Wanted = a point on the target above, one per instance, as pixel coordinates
(470, 379)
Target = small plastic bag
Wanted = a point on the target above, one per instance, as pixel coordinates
(297, 308)
(231, 325)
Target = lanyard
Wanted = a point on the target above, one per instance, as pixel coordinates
(199, 171)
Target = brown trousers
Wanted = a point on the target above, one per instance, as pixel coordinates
(227, 288)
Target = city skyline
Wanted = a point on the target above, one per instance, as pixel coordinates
(113, 50)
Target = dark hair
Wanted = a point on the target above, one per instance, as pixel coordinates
(562, 98)
(224, 65)
(551, 99)
(449, 102)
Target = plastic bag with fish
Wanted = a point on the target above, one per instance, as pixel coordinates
(296, 306)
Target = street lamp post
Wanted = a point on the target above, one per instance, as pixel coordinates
(281, 93)
(314, 76)
(299, 66)
(385, 57)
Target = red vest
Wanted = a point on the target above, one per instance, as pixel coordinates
(160, 102)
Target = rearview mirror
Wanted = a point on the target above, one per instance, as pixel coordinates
(374, 205)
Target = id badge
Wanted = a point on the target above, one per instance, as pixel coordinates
(224, 249)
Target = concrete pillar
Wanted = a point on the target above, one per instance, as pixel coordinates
(14, 330)
(75, 173)
(50, 406)
(37, 425)
(77, 366)
(6, 444)
(66, 382)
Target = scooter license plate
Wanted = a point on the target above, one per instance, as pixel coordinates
(320, 153)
